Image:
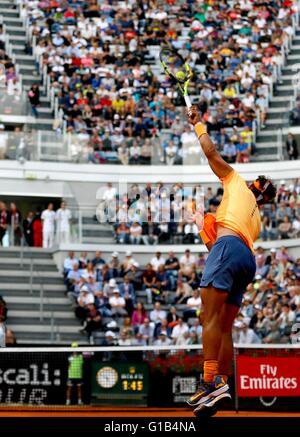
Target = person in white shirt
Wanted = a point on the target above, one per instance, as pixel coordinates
(69, 262)
(171, 153)
(162, 340)
(117, 304)
(63, 219)
(179, 330)
(84, 299)
(193, 306)
(157, 261)
(247, 335)
(128, 262)
(110, 193)
(48, 219)
(187, 263)
(124, 339)
(157, 314)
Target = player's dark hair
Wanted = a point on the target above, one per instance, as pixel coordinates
(264, 190)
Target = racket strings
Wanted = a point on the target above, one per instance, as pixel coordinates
(176, 66)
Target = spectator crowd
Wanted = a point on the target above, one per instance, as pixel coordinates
(128, 303)
(7, 337)
(158, 213)
(102, 61)
(10, 86)
(39, 229)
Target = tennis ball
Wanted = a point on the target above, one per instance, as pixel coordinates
(180, 75)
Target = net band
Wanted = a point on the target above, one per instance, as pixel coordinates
(139, 348)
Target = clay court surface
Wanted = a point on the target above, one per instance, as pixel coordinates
(128, 412)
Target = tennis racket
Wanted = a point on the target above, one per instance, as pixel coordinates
(178, 70)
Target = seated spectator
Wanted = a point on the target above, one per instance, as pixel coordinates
(193, 306)
(230, 153)
(171, 268)
(146, 330)
(183, 292)
(172, 317)
(191, 234)
(69, 263)
(149, 279)
(194, 281)
(114, 265)
(135, 233)
(171, 153)
(138, 316)
(102, 304)
(135, 153)
(162, 340)
(187, 263)
(246, 335)
(138, 340)
(150, 233)
(117, 304)
(157, 314)
(83, 260)
(243, 152)
(162, 329)
(127, 263)
(157, 261)
(196, 329)
(123, 233)
(292, 147)
(135, 276)
(179, 330)
(84, 299)
(285, 228)
(93, 320)
(286, 320)
(128, 293)
(72, 282)
(124, 339)
(161, 276)
(98, 261)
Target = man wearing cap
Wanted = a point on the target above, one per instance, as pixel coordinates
(114, 265)
(75, 375)
(117, 303)
(109, 287)
(127, 262)
(84, 299)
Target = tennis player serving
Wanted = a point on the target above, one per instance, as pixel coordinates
(230, 267)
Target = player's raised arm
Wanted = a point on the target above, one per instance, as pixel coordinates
(215, 160)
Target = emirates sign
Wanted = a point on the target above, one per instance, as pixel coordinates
(268, 376)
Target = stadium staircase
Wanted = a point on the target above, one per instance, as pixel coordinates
(94, 232)
(280, 105)
(24, 59)
(44, 296)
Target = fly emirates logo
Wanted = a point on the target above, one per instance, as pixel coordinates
(268, 379)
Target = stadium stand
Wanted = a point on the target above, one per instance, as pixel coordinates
(86, 78)
(113, 295)
(106, 94)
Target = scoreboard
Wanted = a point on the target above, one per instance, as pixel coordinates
(119, 383)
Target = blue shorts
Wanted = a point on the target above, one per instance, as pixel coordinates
(230, 266)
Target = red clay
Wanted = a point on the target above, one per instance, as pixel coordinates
(73, 411)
